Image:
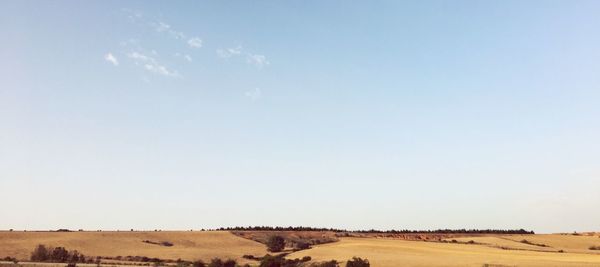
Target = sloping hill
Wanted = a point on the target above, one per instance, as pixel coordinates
(186, 245)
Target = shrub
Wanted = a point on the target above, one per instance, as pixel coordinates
(251, 257)
(358, 262)
(302, 245)
(199, 263)
(595, 248)
(331, 263)
(271, 261)
(306, 258)
(59, 254)
(275, 243)
(40, 253)
(216, 262)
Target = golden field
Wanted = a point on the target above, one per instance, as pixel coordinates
(187, 245)
(383, 252)
(494, 250)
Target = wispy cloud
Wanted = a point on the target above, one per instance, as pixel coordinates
(163, 27)
(133, 15)
(151, 64)
(112, 59)
(187, 57)
(195, 42)
(253, 94)
(229, 52)
(257, 60)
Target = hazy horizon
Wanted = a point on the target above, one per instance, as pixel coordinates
(385, 115)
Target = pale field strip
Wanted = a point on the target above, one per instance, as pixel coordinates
(393, 253)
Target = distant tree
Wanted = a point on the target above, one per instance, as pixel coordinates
(275, 243)
(358, 262)
(40, 253)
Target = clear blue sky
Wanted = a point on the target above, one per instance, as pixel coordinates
(350, 114)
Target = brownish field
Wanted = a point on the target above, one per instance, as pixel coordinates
(310, 237)
(186, 245)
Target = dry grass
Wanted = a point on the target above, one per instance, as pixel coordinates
(394, 252)
(187, 245)
(568, 243)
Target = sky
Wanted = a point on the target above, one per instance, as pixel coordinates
(346, 114)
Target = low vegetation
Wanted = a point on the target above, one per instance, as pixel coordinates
(595, 248)
(216, 262)
(358, 262)
(525, 241)
(58, 254)
(275, 243)
(160, 243)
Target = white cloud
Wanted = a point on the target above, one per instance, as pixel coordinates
(195, 42)
(229, 52)
(254, 94)
(187, 57)
(257, 60)
(162, 27)
(166, 28)
(133, 15)
(112, 59)
(152, 65)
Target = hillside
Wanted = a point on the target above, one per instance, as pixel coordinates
(186, 245)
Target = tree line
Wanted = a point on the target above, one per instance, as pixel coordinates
(374, 231)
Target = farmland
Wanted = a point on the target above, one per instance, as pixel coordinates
(186, 245)
(381, 250)
(392, 252)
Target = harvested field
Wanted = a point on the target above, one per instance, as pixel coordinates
(395, 252)
(186, 245)
(552, 242)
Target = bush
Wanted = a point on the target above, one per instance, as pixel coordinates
(300, 245)
(40, 253)
(216, 262)
(199, 263)
(251, 257)
(280, 261)
(331, 263)
(271, 261)
(358, 262)
(275, 243)
(595, 248)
